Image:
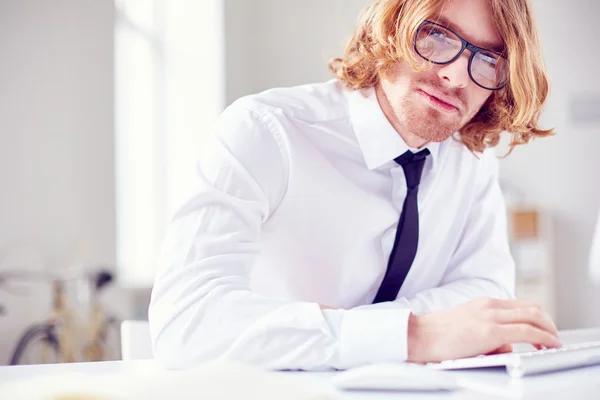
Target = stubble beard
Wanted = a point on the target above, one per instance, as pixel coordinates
(428, 123)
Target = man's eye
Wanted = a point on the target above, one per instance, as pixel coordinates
(488, 58)
(437, 33)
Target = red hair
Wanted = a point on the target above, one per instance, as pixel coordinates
(385, 36)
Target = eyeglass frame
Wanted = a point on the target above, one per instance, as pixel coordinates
(465, 46)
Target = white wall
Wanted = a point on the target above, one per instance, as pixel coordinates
(282, 43)
(561, 173)
(274, 43)
(56, 157)
(240, 48)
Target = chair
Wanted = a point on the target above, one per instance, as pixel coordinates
(135, 340)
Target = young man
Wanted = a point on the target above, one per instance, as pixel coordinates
(360, 220)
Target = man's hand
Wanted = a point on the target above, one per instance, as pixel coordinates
(324, 307)
(483, 326)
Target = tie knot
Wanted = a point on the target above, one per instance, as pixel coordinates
(413, 163)
(410, 157)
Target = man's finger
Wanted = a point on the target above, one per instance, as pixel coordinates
(506, 348)
(524, 333)
(530, 315)
(324, 307)
(511, 304)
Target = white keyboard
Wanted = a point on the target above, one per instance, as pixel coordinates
(533, 362)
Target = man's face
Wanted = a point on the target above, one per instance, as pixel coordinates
(407, 94)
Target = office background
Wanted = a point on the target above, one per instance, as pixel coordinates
(93, 159)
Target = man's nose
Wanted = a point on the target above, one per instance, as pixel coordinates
(456, 74)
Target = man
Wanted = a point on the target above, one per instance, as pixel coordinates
(360, 220)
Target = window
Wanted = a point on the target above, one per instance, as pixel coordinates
(169, 89)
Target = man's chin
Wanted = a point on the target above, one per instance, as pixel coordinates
(438, 138)
(435, 134)
(431, 125)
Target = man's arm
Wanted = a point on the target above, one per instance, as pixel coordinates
(472, 311)
(202, 307)
(482, 265)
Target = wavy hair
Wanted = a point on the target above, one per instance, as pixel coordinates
(385, 36)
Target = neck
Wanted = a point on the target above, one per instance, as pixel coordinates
(411, 140)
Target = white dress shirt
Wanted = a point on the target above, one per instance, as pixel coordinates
(297, 206)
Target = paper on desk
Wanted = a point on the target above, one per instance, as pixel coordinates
(215, 381)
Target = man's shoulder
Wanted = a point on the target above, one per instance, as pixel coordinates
(458, 149)
(476, 165)
(252, 124)
(311, 102)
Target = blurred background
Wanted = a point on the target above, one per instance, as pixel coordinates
(105, 104)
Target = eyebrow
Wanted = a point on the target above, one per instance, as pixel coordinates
(498, 48)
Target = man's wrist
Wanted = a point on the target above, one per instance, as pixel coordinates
(413, 345)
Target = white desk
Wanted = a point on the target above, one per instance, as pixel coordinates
(577, 384)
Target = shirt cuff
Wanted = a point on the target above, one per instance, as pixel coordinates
(374, 336)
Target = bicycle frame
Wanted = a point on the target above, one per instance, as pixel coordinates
(63, 337)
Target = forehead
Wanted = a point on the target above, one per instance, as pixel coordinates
(471, 19)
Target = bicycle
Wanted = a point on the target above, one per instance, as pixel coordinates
(61, 338)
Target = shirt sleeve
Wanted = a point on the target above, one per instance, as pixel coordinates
(482, 265)
(202, 307)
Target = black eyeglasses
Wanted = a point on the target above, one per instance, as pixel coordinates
(440, 45)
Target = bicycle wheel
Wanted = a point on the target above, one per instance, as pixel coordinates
(38, 345)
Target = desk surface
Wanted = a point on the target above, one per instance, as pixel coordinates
(575, 384)
(583, 383)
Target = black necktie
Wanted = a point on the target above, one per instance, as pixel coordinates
(407, 235)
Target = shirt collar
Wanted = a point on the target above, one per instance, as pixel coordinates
(377, 138)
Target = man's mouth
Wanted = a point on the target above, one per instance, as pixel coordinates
(439, 101)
